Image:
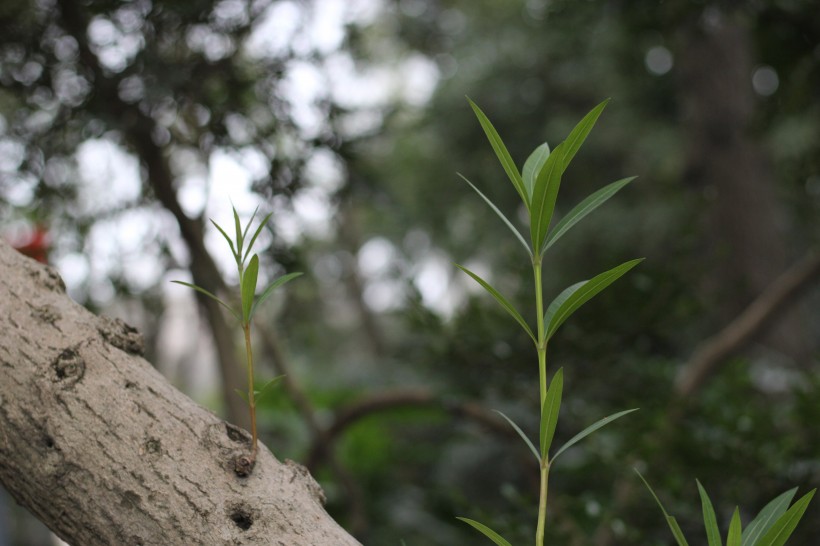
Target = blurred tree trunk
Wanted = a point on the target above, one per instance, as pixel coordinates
(743, 231)
(103, 450)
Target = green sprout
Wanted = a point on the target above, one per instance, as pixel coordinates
(249, 303)
(771, 527)
(537, 185)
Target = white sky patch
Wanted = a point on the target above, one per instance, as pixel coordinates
(303, 85)
(376, 257)
(315, 212)
(274, 31)
(109, 177)
(325, 170)
(433, 281)
(326, 28)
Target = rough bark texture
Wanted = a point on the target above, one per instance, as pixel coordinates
(104, 451)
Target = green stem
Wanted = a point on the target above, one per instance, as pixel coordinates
(542, 505)
(251, 400)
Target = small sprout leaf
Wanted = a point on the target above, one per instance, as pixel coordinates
(532, 166)
(500, 215)
(733, 539)
(230, 243)
(242, 394)
(269, 290)
(550, 410)
(767, 516)
(501, 152)
(782, 529)
(247, 228)
(248, 287)
(582, 209)
(486, 531)
(709, 518)
(210, 295)
(268, 388)
(590, 429)
(256, 234)
(521, 433)
(501, 300)
(238, 228)
(547, 184)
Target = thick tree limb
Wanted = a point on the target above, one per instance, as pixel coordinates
(709, 354)
(104, 451)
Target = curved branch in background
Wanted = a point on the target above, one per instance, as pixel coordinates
(749, 324)
(402, 398)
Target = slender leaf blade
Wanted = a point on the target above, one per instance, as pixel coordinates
(268, 388)
(210, 295)
(734, 536)
(579, 134)
(243, 395)
(586, 292)
(549, 412)
(783, 528)
(248, 287)
(501, 300)
(671, 521)
(767, 516)
(500, 215)
(248, 225)
(230, 243)
(709, 518)
(486, 531)
(521, 433)
(255, 235)
(533, 165)
(501, 152)
(559, 300)
(582, 209)
(544, 195)
(269, 290)
(590, 429)
(238, 228)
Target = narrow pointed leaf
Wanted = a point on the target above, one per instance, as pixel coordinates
(248, 282)
(767, 516)
(521, 433)
(549, 412)
(671, 521)
(532, 166)
(733, 539)
(501, 300)
(244, 395)
(203, 291)
(501, 152)
(268, 388)
(486, 531)
(500, 215)
(590, 429)
(783, 528)
(582, 209)
(269, 290)
(579, 134)
(559, 300)
(238, 228)
(709, 518)
(248, 225)
(255, 235)
(586, 292)
(230, 243)
(544, 195)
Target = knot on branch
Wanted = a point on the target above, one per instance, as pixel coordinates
(121, 335)
(68, 368)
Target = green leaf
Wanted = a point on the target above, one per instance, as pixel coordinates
(709, 519)
(547, 184)
(501, 152)
(733, 539)
(256, 234)
(500, 215)
(523, 436)
(203, 291)
(486, 531)
(248, 286)
(582, 209)
(269, 290)
(782, 529)
(238, 227)
(590, 429)
(579, 134)
(244, 396)
(267, 388)
(549, 412)
(586, 292)
(532, 166)
(230, 243)
(559, 300)
(502, 300)
(673, 524)
(767, 516)
(248, 227)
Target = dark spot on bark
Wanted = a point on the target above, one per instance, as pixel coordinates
(130, 499)
(46, 313)
(152, 446)
(69, 367)
(121, 335)
(236, 434)
(241, 516)
(130, 385)
(46, 276)
(137, 541)
(48, 441)
(243, 466)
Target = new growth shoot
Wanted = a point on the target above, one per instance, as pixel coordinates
(537, 185)
(248, 304)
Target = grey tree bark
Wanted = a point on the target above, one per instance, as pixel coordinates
(102, 449)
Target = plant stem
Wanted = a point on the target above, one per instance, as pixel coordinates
(251, 401)
(542, 504)
(541, 346)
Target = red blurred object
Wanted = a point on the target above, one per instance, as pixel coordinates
(34, 245)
